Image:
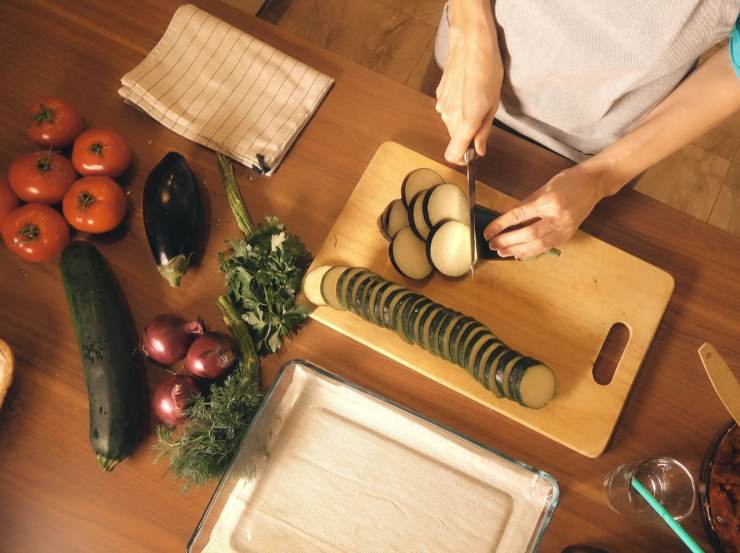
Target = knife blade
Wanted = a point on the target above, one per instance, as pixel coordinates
(469, 158)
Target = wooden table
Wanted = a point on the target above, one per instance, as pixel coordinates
(52, 495)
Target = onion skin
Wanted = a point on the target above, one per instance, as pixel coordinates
(172, 397)
(166, 338)
(211, 356)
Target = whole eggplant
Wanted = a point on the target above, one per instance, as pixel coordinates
(172, 214)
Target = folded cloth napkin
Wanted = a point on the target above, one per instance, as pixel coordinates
(224, 89)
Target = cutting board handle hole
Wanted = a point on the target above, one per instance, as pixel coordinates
(610, 354)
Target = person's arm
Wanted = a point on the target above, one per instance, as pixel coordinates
(709, 95)
(468, 94)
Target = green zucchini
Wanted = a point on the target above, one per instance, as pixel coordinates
(501, 364)
(108, 346)
(343, 282)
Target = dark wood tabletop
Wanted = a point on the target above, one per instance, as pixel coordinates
(52, 495)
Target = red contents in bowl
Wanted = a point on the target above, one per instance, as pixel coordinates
(724, 492)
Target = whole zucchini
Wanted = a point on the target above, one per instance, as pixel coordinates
(172, 216)
(108, 346)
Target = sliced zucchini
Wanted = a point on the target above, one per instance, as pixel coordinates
(312, 284)
(474, 346)
(402, 312)
(377, 292)
(347, 296)
(394, 218)
(408, 255)
(445, 334)
(501, 363)
(329, 286)
(416, 215)
(422, 329)
(367, 306)
(458, 331)
(357, 300)
(536, 386)
(437, 329)
(475, 361)
(448, 248)
(344, 281)
(380, 301)
(470, 335)
(391, 305)
(507, 373)
(412, 323)
(488, 370)
(416, 181)
(445, 202)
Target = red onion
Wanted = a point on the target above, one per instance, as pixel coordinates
(167, 338)
(172, 397)
(211, 356)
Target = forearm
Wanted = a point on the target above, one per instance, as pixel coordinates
(703, 100)
(473, 21)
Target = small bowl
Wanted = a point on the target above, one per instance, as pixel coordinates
(705, 482)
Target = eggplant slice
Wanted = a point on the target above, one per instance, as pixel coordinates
(417, 181)
(448, 248)
(416, 215)
(446, 201)
(408, 255)
(394, 218)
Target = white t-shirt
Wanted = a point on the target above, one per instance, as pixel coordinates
(578, 74)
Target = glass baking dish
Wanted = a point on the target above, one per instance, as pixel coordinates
(328, 466)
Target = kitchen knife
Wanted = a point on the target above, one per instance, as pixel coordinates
(722, 379)
(469, 158)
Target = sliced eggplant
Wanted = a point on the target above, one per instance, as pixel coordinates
(408, 255)
(416, 216)
(445, 202)
(448, 248)
(329, 286)
(394, 218)
(416, 181)
(312, 284)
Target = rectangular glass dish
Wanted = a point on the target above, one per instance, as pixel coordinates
(328, 466)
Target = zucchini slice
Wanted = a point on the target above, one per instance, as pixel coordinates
(401, 311)
(372, 302)
(445, 202)
(501, 364)
(459, 331)
(475, 361)
(472, 333)
(448, 248)
(329, 286)
(312, 284)
(356, 294)
(474, 346)
(416, 181)
(383, 298)
(344, 281)
(437, 328)
(394, 218)
(365, 305)
(535, 386)
(405, 316)
(416, 215)
(421, 329)
(445, 334)
(408, 255)
(489, 364)
(416, 313)
(345, 293)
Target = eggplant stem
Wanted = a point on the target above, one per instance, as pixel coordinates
(234, 196)
(106, 463)
(175, 268)
(238, 328)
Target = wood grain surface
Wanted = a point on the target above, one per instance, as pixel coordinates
(558, 310)
(53, 496)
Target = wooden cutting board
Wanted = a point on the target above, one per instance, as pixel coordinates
(556, 309)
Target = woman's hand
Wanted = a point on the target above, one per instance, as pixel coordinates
(550, 216)
(468, 94)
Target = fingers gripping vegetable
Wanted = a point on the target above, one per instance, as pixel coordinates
(108, 348)
(94, 204)
(167, 338)
(35, 232)
(172, 213)
(55, 123)
(101, 152)
(42, 177)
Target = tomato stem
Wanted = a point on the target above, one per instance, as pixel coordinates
(97, 148)
(27, 233)
(44, 163)
(44, 114)
(85, 199)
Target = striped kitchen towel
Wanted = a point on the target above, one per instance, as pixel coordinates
(224, 89)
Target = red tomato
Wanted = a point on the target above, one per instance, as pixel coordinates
(56, 122)
(8, 201)
(94, 204)
(35, 232)
(100, 152)
(42, 177)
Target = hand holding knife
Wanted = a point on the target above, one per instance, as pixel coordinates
(469, 158)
